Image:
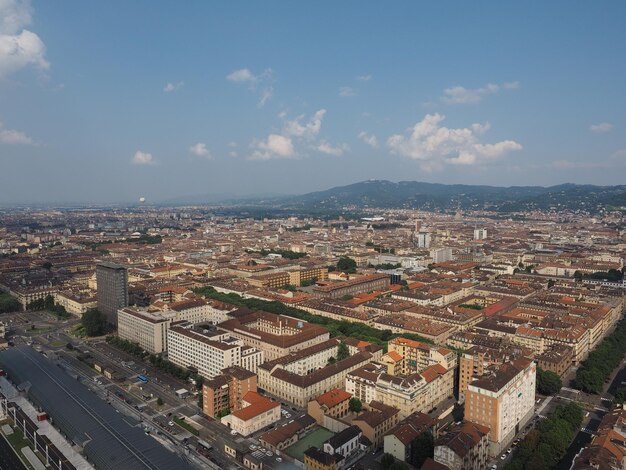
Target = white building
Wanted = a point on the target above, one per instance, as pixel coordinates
(423, 240)
(146, 328)
(209, 350)
(480, 233)
(441, 255)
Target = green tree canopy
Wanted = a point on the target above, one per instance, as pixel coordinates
(548, 383)
(347, 265)
(355, 405)
(94, 322)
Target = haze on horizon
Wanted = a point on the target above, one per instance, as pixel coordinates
(110, 101)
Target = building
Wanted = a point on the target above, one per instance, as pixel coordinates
(112, 285)
(344, 443)
(275, 335)
(146, 328)
(256, 413)
(281, 437)
(224, 393)
(417, 356)
(315, 459)
(557, 359)
(423, 239)
(377, 421)
(607, 450)
(503, 400)
(464, 446)
(480, 233)
(333, 403)
(401, 440)
(209, 350)
(335, 290)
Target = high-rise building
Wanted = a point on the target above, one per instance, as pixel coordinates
(503, 400)
(423, 240)
(480, 233)
(112, 281)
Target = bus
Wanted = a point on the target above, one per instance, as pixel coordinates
(142, 378)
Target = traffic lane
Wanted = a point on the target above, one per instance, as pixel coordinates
(8, 458)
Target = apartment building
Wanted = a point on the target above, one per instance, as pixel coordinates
(256, 413)
(503, 400)
(402, 439)
(275, 335)
(224, 393)
(333, 403)
(373, 282)
(464, 446)
(209, 350)
(146, 328)
(417, 356)
(377, 421)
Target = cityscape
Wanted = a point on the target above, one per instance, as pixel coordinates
(178, 292)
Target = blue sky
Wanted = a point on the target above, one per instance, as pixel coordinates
(110, 101)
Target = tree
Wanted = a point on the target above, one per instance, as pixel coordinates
(94, 322)
(620, 395)
(550, 283)
(159, 401)
(47, 265)
(548, 383)
(342, 351)
(355, 405)
(422, 448)
(347, 265)
(387, 460)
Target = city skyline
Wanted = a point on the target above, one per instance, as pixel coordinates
(112, 102)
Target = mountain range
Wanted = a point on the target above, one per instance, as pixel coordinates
(435, 196)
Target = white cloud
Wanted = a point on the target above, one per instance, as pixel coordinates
(13, 137)
(143, 158)
(200, 150)
(308, 130)
(462, 95)
(170, 87)
(346, 91)
(364, 78)
(241, 75)
(435, 146)
(329, 149)
(246, 76)
(601, 128)
(369, 139)
(275, 146)
(19, 47)
(265, 96)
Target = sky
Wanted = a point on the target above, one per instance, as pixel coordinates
(112, 101)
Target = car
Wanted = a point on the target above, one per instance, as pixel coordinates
(278, 459)
(287, 416)
(171, 423)
(509, 450)
(494, 467)
(503, 456)
(233, 432)
(269, 453)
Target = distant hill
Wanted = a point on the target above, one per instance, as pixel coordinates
(435, 196)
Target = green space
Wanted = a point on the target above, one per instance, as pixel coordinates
(314, 439)
(594, 372)
(183, 424)
(94, 322)
(8, 303)
(336, 327)
(288, 254)
(58, 344)
(544, 447)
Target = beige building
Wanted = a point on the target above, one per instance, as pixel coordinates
(464, 446)
(503, 400)
(275, 335)
(256, 413)
(333, 403)
(417, 356)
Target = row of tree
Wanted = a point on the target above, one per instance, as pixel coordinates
(8, 303)
(597, 368)
(548, 383)
(48, 304)
(94, 322)
(336, 327)
(544, 447)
